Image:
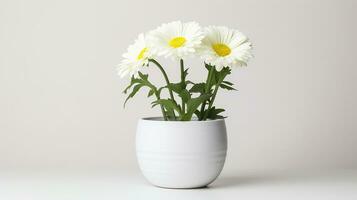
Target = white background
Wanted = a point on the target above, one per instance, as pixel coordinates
(61, 101)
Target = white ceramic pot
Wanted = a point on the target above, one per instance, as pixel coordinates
(177, 154)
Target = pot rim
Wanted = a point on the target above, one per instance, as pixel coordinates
(161, 119)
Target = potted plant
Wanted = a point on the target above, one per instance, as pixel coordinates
(185, 147)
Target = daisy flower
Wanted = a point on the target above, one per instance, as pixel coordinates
(224, 47)
(175, 39)
(136, 57)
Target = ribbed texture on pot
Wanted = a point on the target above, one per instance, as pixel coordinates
(179, 154)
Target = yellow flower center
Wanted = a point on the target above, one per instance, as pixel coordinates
(221, 49)
(177, 42)
(141, 54)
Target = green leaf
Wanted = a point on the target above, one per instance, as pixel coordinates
(219, 77)
(216, 111)
(227, 83)
(168, 104)
(198, 88)
(170, 115)
(227, 87)
(208, 66)
(160, 89)
(197, 113)
(132, 82)
(213, 113)
(132, 94)
(193, 104)
(143, 76)
(138, 83)
(175, 87)
(223, 73)
(189, 82)
(150, 93)
(185, 95)
(185, 73)
(180, 89)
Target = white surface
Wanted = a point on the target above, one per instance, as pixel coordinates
(132, 186)
(296, 104)
(178, 154)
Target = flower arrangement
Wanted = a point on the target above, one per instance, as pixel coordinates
(219, 47)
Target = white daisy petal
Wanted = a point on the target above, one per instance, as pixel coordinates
(137, 56)
(224, 47)
(175, 39)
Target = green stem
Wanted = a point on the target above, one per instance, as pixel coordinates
(207, 88)
(166, 79)
(211, 101)
(183, 83)
(161, 106)
(223, 76)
